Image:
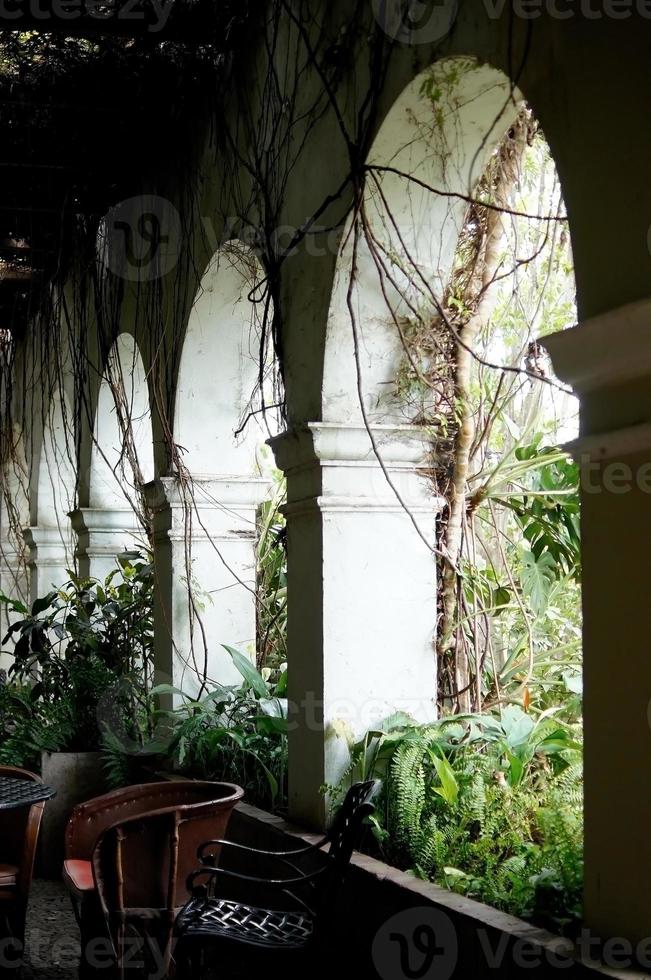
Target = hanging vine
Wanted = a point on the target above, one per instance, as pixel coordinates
(254, 128)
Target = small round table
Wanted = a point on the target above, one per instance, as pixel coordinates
(15, 793)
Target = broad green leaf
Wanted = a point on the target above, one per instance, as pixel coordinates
(281, 687)
(517, 725)
(169, 689)
(267, 724)
(449, 788)
(40, 605)
(515, 770)
(251, 677)
(15, 604)
(537, 577)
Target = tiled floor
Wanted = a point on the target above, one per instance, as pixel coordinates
(52, 939)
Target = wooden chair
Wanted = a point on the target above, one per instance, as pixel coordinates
(279, 923)
(128, 856)
(19, 829)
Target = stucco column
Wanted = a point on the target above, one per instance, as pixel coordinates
(607, 361)
(103, 533)
(50, 557)
(205, 564)
(362, 594)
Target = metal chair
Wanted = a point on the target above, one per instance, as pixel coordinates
(295, 929)
(19, 831)
(129, 854)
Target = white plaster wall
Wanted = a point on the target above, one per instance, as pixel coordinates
(205, 521)
(113, 482)
(50, 537)
(57, 476)
(219, 370)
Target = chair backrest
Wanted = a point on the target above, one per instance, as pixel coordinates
(89, 820)
(343, 836)
(326, 874)
(19, 829)
(141, 860)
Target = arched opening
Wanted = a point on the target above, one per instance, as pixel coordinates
(121, 463)
(206, 528)
(456, 263)
(50, 537)
(425, 162)
(122, 459)
(433, 391)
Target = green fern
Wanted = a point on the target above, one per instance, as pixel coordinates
(517, 847)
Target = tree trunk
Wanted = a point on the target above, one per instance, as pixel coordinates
(483, 262)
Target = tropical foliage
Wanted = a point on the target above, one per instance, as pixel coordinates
(82, 659)
(236, 733)
(487, 806)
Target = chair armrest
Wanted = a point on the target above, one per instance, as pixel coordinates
(295, 852)
(253, 879)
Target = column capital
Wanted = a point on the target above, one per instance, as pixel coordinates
(219, 507)
(205, 491)
(333, 467)
(607, 361)
(47, 545)
(407, 446)
(105, 519)
(605, 351)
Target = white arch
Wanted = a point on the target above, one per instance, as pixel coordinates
(56, 486)
(206, 560)
(120, 466)
(440, 132)
(219, 369)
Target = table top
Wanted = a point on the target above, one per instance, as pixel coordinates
(22, 792)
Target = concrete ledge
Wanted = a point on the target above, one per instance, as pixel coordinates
(473, 940)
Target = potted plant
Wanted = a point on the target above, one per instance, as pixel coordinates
(82, 659)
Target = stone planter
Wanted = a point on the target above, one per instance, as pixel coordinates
(76, 777)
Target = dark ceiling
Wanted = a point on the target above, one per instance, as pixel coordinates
(87, 109)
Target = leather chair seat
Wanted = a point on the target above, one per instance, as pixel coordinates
(78, 876)
(8, 875)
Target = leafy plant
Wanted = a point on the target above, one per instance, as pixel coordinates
(81, 655)
(235, 733)
(487, 805)
(271, 586)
